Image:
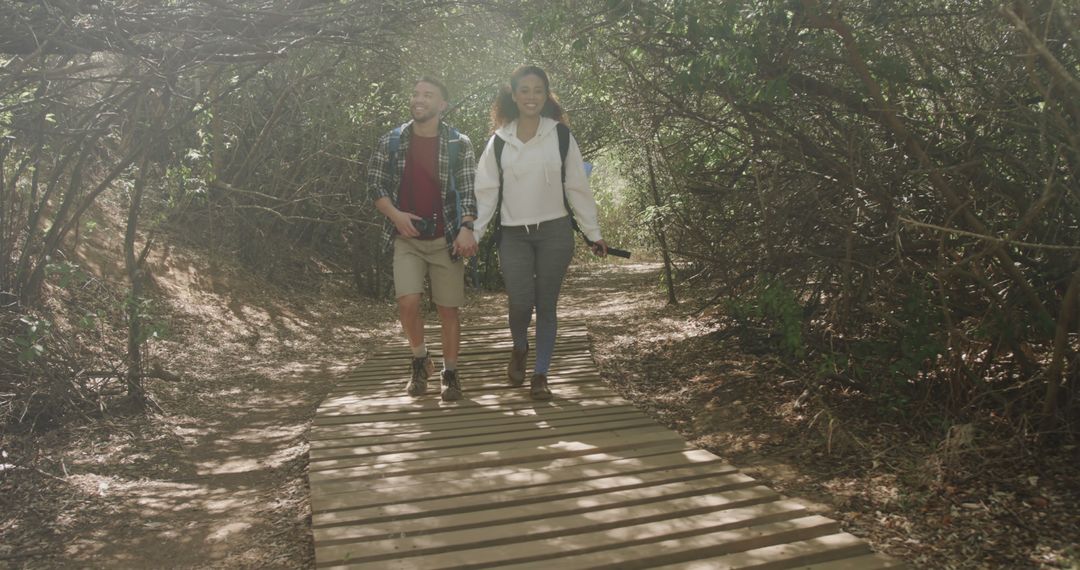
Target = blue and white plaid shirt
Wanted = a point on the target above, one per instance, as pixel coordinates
(384, 179)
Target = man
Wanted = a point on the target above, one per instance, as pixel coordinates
(429, 215)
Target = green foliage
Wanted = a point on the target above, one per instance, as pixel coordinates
(31, 340)
(65, 272)
(921, 340)
(774, 304)
(152, 326)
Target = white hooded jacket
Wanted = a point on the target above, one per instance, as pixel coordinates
(532, 182)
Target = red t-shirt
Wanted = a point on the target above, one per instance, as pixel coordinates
(419, 192)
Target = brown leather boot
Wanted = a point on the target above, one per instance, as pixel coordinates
(422, 368)
(451, 386)
(538, 388)
(516, 370)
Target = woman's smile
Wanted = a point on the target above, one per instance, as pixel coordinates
(530, 96)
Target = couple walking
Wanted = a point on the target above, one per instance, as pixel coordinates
(528, 187)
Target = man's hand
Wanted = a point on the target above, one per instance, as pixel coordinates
(599, 247)
(465, 243)
(403, 223)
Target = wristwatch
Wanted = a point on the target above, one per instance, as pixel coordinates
(469, 225)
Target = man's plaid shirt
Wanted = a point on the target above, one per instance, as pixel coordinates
(384, 179)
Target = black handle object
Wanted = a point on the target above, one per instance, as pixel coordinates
(610, 250)
(614, 251)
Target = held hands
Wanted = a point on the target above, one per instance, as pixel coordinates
(465, 244)
(599, 247)
(403, 223)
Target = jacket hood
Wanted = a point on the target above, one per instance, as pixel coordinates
(508, 132)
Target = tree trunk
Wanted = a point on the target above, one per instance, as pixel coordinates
(658, 230)
(1069, 308)
(135, 390)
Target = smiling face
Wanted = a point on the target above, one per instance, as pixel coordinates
(530, 94)
(427, 102)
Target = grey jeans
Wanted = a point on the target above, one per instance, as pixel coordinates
(534, 260)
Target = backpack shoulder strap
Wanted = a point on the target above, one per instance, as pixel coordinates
(453, 146)
(394, 144)
(564, 149)
(499, 143)
(454, 143)
(564, 146)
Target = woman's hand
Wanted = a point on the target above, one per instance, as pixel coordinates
(465, 244)
(599, 247)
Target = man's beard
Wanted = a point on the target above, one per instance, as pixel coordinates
(430, 114)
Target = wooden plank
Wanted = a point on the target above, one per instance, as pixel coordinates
(451, 427)
(477, 404)
(360, 454)
(528, 477)
(480, 342)
(393, 383)
(491, 352)
(492, 454)
(420, 413)
(693, 479)
(396, 380)
(493, 370)
(455, 432)
(495, 349)
(480, 409)
(342, 479)
(626, 547)
(648, 547)
(452, 424)
(565, 395)
(456, 527)
(488, 366)
(840, 551)
(475, 542)
(864, 562)
(493, 366)
(472, 391)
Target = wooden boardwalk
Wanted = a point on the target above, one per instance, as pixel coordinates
(499, 481)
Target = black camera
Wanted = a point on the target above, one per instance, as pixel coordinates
(425, 227)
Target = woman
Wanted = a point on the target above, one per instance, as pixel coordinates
(536, 240)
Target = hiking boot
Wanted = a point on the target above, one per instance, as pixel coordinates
(422, 369)
(538, 388)
(516, 370)
(451, 387)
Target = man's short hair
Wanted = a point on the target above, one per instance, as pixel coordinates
(442, 87)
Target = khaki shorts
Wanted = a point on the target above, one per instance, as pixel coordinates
(414, 259)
